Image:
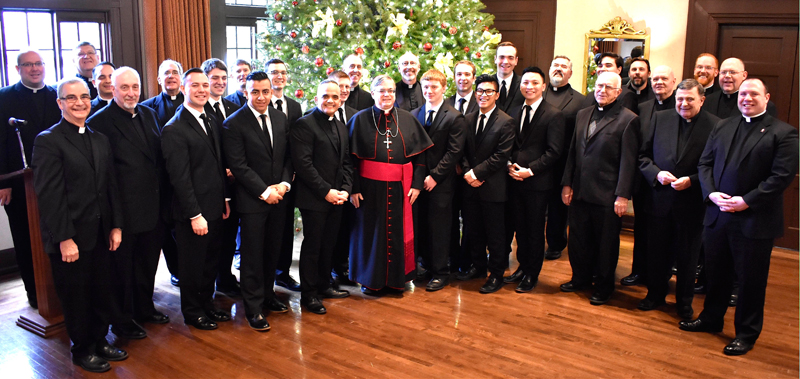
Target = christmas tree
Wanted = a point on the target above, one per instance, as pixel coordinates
(314, 36)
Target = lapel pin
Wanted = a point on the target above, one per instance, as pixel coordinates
(762, 130)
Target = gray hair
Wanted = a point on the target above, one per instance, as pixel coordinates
(170, 61)
(123, 70)
(616, 78)
(378, 81)
(68, 81)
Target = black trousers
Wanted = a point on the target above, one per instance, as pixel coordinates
(17, 212)
(170, 249)
(529, 217)
(641, 235)
(134, 266)
(432, 224)
(674, 238)
(594, 244)
(84, 290)
(230, 230)
(199, 257)
(556, 234)
(262, 235)
(320, 231)
(728, 252)
(287, 240)
(485, 223)
(341, 251)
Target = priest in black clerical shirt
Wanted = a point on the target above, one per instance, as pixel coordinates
(85, 59)
(386, 143)
(359, 98)
(165, 103)
(723, 104)
(409, 91)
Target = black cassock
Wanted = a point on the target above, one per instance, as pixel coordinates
(379, 249)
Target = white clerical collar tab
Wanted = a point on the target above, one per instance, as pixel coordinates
(555, 89)
(173, 98)
(599, 108)
(330, 118)
(81, 129)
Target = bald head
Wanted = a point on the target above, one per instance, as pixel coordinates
(126, 88)
(731, 75)
(663, 81)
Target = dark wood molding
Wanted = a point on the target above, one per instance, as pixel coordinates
(530, 25)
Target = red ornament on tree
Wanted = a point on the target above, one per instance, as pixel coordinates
(479, 21)
(329, 70)
(278, 17)
(387, 64)
(299, 94)
(359, 51)
(294, 3)
(293, 34)
(278, 47)
(466, 49)
(339, 22)
(478, 54)
(410, 13)
(486, 28)
(396, 45)
(319, 62)
(304, 49)
(452, 30)
(443, 25)
(427, 47)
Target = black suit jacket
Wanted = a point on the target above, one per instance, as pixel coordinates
(644, 95)
(17, 101)
(626, 98)
(659, 152)
(77, 191)
(359, 99)
(401, 101)
(487, 157)
(472, 104)
(139, 165)
(320, 163)
(164, 109)
(229, 109)
(97, 104)
(237, 98)
(514, 96)
(602, 168)
(765, 167)
(255, 164)
(195, 168)
(293, 110)
(448, 133)
(712, 101)
(648, 110)
(538, 146)
(349, 112)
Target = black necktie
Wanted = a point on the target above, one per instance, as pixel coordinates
(480, 127)
(503, 94)
(278, 105)
(209, 132)
(264, 128)
(218, 113)
(429, 120)
(341, 116)
(461, 102)
(527, 120)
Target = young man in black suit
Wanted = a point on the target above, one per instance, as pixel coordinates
(279, 77)
(321, 159)
(256, 141)
(144, 187)
(490, 137)
(747, 163)
(668, 161)
(101, 78)
(446, 127)
(597, 184)
(81, 221)
(241, 71)
(506, 60)
(464, 99)
(537, 148)
(191, 146)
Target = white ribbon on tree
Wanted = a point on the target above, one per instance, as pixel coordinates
(491, 38)
(444, 63)
(326, 22)
(400, 27)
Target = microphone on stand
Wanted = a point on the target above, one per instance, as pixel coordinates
(16, 123)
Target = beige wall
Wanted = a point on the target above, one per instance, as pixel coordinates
(665, 22)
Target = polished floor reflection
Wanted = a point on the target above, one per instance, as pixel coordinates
(452, 333)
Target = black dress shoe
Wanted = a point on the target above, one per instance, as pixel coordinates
(685, 312)
(342, 278)
(422, 272)
(92, 363)
(515, 277)
(218, 315)
(331, 293)
(111, 353)
(733, 301)
(737, 347)
(155, 318)
(436, 284)
(698, 325)
(598, 298)
(314, 306)
(649, 304)
(258, 322)
(472, 273)
(527, 284)
(202, 323)
(130, 331)
(552, 254)
(286, 281)
(369, 291)
(32, 301)
(699, 288)
(493, 284)
(275, 305)
(570, 286)
(631, 280)
(175, 281)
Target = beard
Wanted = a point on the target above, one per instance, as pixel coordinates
(556, 81)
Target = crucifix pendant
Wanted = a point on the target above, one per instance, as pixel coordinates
(387, 142)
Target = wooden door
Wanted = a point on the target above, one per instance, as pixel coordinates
(530, 25)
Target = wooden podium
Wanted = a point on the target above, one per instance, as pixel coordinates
(49, 320)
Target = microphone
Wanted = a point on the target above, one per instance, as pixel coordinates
(17, 122)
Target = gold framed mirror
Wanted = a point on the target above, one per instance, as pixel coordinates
(616, 36)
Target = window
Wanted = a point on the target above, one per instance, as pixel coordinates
(54, 34)
(246, 2)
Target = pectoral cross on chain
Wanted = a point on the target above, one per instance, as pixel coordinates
(387, 142)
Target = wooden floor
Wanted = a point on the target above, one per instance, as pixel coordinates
(453, 333)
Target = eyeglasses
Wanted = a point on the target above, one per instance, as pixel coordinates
(386, 91)
(707, 68)
(729, 72)
(32, 64)
(604, 87)
(86, 55)
(276, 73)
(72, 99)
(487, 92)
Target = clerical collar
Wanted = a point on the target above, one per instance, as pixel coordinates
(113, 105)
(709, 86)
(729, 95)
(31, 88)
(79, 129)
(381, 111)
(171, 97)
(756, 118)
(693, 119)
(322, 114)
(106, 100)
(411, 86)
(607, 108)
